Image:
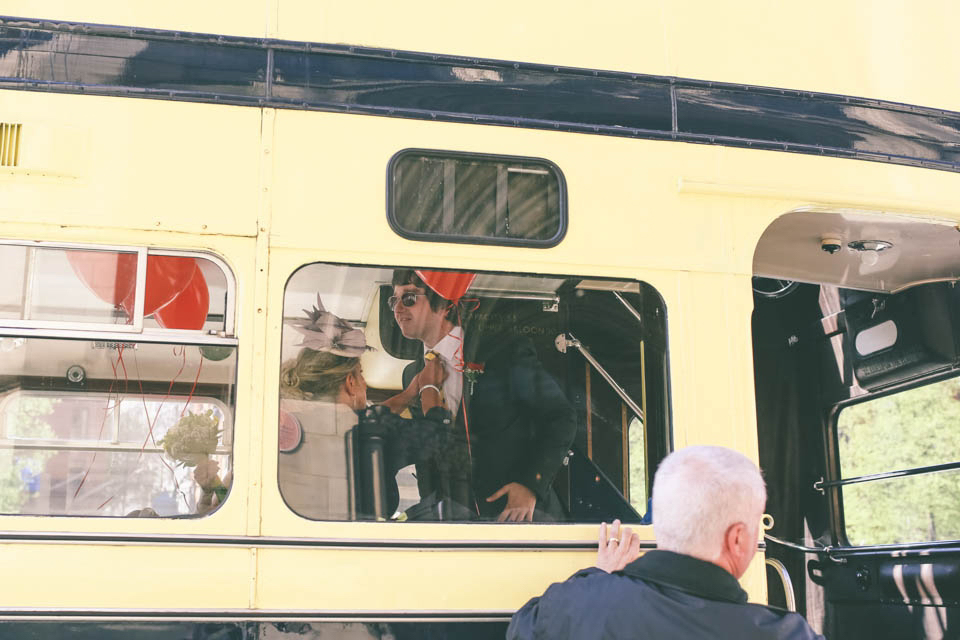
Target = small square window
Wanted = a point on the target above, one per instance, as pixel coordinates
(444, 196)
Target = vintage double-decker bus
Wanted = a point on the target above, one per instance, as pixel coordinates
(720, 224)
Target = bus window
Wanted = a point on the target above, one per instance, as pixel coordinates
(459, 197)
(551, 404)
(113, 401)
(113, 289)
(43, 286)
(912, 432)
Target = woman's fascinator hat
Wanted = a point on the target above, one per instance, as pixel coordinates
(323, 331)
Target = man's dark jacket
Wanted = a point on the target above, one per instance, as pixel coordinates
(520, 426)
(660, 595)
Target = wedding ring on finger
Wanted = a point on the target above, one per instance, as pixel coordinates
(617, 540)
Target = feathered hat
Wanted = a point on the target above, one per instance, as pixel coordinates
(323, 331)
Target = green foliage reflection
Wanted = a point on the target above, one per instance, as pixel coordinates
(914, 428)
(25, 418)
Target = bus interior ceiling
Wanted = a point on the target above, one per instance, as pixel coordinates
(847, 306)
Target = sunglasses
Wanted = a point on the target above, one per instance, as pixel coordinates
(408, 299)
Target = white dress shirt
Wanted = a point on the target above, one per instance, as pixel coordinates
(450, 350)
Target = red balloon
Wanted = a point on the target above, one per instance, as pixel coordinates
(111, 276)
(189, 309)
(449, 285)
(167, 276)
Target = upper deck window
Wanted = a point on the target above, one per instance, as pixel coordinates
(127, 289)
(117, 381)
(445, 196)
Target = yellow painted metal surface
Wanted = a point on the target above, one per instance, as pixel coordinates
(88, 576)
(90, 161)
(234, 17)
(407, 580)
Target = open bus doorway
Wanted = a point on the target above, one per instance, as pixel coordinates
(856, 327)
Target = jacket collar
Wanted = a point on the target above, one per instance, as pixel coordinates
(687, 574)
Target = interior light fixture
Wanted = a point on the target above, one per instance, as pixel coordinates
(869, 250)
(869, 245)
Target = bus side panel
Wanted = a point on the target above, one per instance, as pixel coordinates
(148, 164)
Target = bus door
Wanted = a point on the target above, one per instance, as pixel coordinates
(856, 332)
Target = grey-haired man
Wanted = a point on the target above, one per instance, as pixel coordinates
(707, 505)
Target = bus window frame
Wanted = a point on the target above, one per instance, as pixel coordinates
(136, 332)
(53, 329)
(666, 434)
(833, 466)
(423, 236)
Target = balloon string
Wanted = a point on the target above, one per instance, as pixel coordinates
(458, 363)
(466, 428)
(106, 412)
(103, 422)
(152, 423)
(460, 366)
(182, 352)
(193, 388)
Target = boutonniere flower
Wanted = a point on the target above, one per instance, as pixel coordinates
(472, 372)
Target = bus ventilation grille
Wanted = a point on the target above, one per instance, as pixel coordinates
(9, 144)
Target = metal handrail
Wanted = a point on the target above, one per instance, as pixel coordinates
(630, 308)
(781, 571)
(565, 341)
(794, 545)
(886, 475)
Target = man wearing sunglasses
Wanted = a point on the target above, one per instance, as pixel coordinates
(512, 418)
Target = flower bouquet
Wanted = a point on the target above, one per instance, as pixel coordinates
(193, 439)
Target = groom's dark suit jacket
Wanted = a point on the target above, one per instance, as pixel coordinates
(520, 428)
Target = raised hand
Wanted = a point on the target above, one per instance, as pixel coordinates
(619, 546)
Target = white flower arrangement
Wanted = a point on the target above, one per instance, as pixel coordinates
(193, 438)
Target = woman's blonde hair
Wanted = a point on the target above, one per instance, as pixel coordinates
(315, 375)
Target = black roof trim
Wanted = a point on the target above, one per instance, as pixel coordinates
(147, 63)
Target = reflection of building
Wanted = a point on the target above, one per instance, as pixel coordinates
(85, 453)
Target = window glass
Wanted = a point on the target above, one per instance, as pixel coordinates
(902, 431)
(440, 395)
(68, 285)
(638, 466)
(97, 289)
(114, 431)
(127, 409)
(458, 197)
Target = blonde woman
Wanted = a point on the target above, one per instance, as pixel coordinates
(322, 390)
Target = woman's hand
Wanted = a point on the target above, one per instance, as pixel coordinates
(429, 382)
(206, 473)
(618, 547)
(433, 372)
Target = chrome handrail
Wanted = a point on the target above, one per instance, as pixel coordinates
(567, 340)
(781, 570)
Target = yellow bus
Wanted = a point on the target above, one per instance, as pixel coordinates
(686, 223)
